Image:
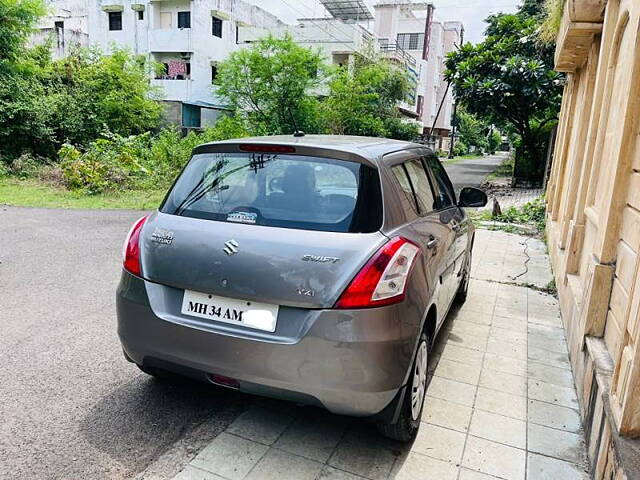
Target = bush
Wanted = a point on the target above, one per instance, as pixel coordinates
(75, 100)
(108, 163)
(460, 148)
(137, 161)
(4, 170)
(494, 141)
(533, 212)
(25, 166)
(472, 131)
(402, 129)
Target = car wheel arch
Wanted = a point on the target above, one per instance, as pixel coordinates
(430, 324)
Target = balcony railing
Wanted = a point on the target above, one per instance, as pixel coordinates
(393, 48)
(170, 40)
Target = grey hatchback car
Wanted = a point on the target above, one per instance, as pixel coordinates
(316, 269)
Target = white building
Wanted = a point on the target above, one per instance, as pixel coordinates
(400, 30)
(188, 37)
(445, 38)
(65, 27)
(341, 37)
(409, 26)
(338, 42)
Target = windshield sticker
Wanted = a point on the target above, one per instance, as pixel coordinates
(242, 217)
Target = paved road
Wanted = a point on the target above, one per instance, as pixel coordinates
(473, 172)
(71, 407)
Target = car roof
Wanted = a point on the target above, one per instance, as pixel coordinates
(370, 149)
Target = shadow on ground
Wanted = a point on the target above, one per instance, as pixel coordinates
(122, 424)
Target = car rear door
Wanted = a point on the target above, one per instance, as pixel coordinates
(435, 236)
(287, 229)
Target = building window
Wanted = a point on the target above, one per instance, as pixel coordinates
(184, 19)
(140, 14)
(411, 41)
(115, 20)
(59, 27)
(216, 27)
(214, 73)
(191, 116)
(420, 106)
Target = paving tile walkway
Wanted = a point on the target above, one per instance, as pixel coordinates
(501, 402)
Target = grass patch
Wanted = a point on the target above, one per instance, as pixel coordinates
(505, 169)
(514, 219)
(33, 193)
(531, 213)
(449, 161)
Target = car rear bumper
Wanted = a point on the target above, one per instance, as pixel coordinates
(350, 362)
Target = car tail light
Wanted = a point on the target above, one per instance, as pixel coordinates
(383, 280)
(131, 249)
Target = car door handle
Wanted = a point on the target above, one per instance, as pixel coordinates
(433, 243)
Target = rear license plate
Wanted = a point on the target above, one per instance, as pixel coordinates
(261, 316)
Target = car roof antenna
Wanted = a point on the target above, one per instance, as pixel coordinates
(297, 132)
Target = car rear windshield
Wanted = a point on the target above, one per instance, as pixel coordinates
(279, 190)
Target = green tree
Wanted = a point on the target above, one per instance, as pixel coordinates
(494, 141)
(23, 114)
(17, 20)
(509, 80)
(44, 104)
(93, 94)
(472, 131)
(363, 100)
(272, 85)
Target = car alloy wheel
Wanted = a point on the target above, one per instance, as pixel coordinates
(419, 384)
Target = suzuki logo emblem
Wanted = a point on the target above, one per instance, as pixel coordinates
(231, 247)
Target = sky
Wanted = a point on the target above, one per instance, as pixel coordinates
(470, 12)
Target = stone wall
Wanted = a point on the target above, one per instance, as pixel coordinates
(594, 223)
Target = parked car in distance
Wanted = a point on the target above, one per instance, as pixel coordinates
(316, 269)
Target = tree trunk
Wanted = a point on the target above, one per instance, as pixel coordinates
(530, 159)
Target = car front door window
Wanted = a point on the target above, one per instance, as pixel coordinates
(444, 188)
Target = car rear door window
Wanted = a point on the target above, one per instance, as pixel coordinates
(408, 199)
(421, 186)
(279, 190)
(445, 196)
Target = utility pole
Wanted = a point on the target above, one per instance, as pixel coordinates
(454, 117)
(427, 31)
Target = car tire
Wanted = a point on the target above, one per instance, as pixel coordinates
(406, 426)
(461, 295)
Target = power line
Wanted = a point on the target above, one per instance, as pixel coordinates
(476, 3)
(350, 46)
(447, 7)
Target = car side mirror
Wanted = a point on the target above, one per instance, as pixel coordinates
(472, 197)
